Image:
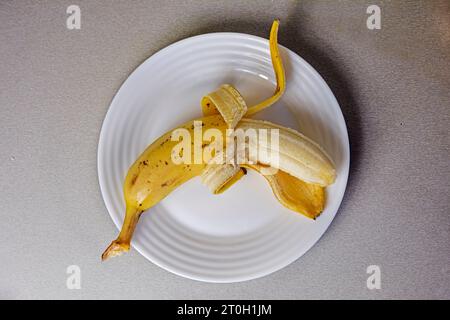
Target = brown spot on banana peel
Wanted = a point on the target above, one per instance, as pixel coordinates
(168, 183)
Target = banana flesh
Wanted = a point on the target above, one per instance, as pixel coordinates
(297, 154)
(219, 177)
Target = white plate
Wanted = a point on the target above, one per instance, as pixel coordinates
(244, 233)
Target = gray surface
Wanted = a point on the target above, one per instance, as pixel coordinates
(393, 86)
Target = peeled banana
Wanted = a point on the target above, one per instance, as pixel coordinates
(302, 168)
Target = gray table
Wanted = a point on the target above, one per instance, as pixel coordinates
(393, 85)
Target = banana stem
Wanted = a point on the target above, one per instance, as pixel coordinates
(278, 68)
(122, 243)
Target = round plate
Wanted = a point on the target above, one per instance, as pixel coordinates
(243, 233)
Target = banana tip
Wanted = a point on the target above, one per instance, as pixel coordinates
(115, 249)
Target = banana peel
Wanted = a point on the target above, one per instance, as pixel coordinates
(295, 194)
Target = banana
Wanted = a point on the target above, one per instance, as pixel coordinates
(154, 174)
(302, 168)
